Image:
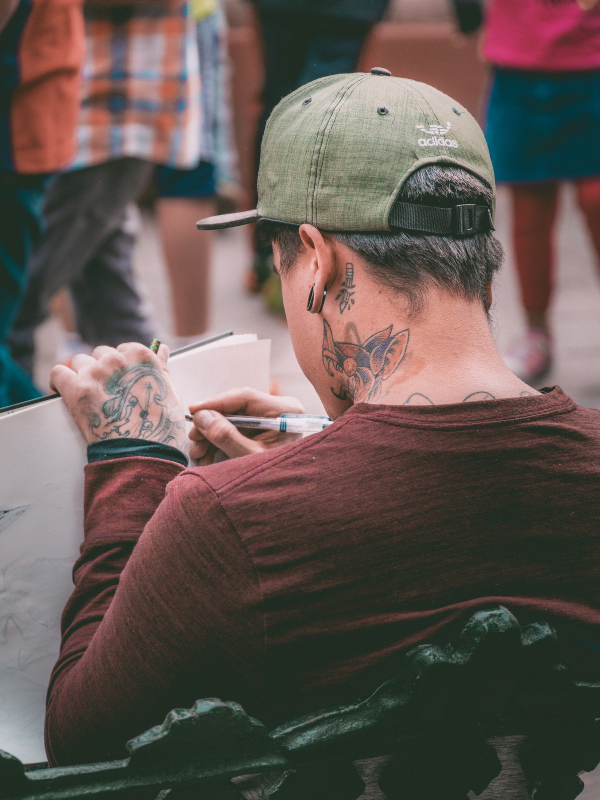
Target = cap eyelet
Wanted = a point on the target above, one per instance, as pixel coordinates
(456, 111)
(307, 101)
(382, 111)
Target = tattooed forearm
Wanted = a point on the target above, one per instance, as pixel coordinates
(345, 296)
(137, 407)
(363, 367)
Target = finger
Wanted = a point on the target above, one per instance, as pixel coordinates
(250, 401)
(196, 436)
(61, 378)
(136, 351)
(103, 350)
(200, 450)
(224, 435)
(82, 360)
(209, 457)
(163, 354)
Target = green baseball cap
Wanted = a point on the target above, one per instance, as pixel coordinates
(337, 151)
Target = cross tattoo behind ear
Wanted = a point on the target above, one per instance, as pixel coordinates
(345, 295)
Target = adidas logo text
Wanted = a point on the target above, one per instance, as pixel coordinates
(436, 136)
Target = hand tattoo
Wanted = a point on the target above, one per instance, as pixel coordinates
(363, 368)
(136, 407)
(345, 296)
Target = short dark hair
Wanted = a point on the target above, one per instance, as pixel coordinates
(412, 262)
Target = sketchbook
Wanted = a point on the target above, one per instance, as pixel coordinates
(42, 456)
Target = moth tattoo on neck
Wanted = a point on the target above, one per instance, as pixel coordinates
(345, 296)
(362, 367)
(137, 407)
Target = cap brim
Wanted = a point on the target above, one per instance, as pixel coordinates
(227, 220)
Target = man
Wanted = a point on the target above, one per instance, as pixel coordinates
(295, 577)
(41, 52)
(139, 107)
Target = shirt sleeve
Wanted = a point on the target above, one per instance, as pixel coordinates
(166, 610)
(110, 449)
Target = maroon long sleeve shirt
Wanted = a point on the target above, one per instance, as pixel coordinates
(295, 579)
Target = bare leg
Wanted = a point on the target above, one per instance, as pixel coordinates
(62, 306)
(534, 212)
(188, 254)
(588, 197)
(537, 319)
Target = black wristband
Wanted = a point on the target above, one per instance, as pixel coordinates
(108, 449)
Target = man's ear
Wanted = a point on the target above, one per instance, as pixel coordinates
(322, 263)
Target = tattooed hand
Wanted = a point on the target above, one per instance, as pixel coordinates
(125, 392)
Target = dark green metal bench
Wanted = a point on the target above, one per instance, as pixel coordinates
(427, 729)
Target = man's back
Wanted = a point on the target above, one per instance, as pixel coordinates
(296, 582)
(371, 537)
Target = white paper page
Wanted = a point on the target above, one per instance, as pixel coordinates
(42, 456)
(228, 341)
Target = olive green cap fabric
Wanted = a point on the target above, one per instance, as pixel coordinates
(336, 152)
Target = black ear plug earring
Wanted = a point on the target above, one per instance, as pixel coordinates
(311, 300)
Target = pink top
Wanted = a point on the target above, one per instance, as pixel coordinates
(542, 35)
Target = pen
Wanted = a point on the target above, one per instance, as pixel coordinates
(286, 423)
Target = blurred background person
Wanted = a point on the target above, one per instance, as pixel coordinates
(41, 52)
(542, 122)
(186, 196)
(139, 107)
(304, 40)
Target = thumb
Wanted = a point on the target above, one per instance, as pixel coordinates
(220, 432)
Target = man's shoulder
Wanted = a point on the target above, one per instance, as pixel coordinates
(366, 434)
(270, 464)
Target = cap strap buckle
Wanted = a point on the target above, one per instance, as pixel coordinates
(464, 219)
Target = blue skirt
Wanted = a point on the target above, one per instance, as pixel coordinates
(198, 182)
(544, 126)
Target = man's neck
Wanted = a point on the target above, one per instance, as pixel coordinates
(445, 354)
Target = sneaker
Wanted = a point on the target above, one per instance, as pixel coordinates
(531, 358)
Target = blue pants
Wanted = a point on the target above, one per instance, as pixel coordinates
(21, 203)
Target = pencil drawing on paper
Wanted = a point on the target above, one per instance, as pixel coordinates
(32, 590)
(9, 515)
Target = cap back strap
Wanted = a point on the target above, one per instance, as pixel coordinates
(467, 219)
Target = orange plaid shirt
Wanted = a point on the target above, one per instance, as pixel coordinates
(141, 86)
